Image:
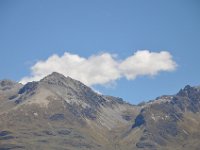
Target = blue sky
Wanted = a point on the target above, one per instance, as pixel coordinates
(36, 29)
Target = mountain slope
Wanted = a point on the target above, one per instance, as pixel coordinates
(61, 113)
(8, 91)
(171, 124)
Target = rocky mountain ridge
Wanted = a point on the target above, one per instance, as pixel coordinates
(59, 112)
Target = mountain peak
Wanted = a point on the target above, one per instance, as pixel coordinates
(187, 87)
(54, 75)
(57, 79)
(7, 84)
(186, 91)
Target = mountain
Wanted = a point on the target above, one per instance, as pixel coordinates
(61, 113)
(172, 124)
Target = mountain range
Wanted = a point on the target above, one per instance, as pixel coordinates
(60, 113)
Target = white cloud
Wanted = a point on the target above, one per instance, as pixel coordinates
(146, 63)
(103, 68)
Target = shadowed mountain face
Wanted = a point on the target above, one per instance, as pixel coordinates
(59, 112)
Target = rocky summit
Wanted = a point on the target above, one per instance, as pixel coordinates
(60, 113)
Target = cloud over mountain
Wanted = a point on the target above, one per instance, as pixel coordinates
(103, 68)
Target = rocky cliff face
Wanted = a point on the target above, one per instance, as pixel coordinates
(59, 112)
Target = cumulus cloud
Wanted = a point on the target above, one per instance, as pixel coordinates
(146, 63)
(103, 68)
